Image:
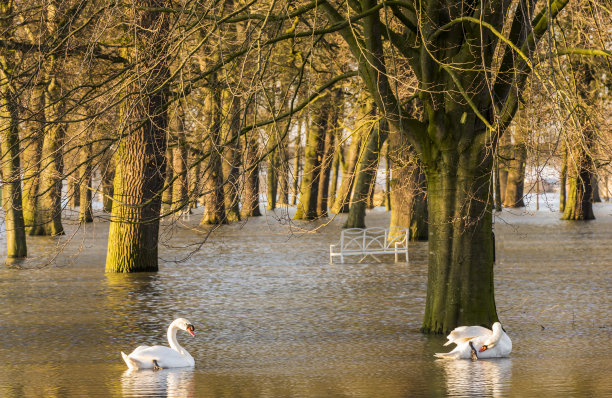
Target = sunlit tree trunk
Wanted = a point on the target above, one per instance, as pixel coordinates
(141, 161)
(516, 177)
(313, 154)
(179, 161)
(342, 203)
(297, 153)
(9, 145)
(85, 194)
(408, 189)
(250, 176)
(366, 175)
(272, 169)
(335, 173)
(214, 198)
(563, 180)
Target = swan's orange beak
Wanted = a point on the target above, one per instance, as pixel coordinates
(190, 330)
(483, 348)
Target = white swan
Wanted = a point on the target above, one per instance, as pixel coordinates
(161, 357)
(477, 342)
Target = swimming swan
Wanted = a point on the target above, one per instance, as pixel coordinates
(476, 342)
(161, 357)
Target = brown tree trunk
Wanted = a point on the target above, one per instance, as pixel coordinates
(85, 209)
(179, 161)
(232, 163)
(141, 161)
(250, 176)
(516, 178)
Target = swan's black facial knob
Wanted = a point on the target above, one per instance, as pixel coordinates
(483, 348)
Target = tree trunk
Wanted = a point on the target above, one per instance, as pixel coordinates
(141, 161)
(387, 193)
(563, 181)
(595, 185)
(315, 145)
(498, 199)
(250, 176)
(335, 173)
(179, 161)
(272, 169)
(32, 156)
(326, 165)
(408, 189)
(169, 174)
(516, 178)
(460, 277)
(10, 171)
(85, 210)
(341, 205)
(297, 153)
(365, 176)
(232, 163)
(49, 220)
(108, 175)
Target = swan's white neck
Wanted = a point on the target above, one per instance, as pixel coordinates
(497, 333)
(172, 329)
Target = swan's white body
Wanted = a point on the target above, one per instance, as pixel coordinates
(175, 356)
(496, 342)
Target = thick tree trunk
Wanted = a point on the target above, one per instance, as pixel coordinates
(141, 161)
(10, 173)
(313, 154)
(32, 155)
(49, 212)
(250, 176)
(516, 178)
(595, 185)
(460, 277)
(85, 209)
(365, 176)
(214, 198)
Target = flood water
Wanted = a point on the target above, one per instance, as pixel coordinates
(274, 319)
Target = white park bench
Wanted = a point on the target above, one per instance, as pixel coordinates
(370, 241)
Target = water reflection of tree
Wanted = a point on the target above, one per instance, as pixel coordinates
(478, 378)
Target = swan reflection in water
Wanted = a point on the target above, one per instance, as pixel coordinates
(489, 377)
(158, 383)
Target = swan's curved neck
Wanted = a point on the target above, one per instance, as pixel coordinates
(497, 333)
(172, 329)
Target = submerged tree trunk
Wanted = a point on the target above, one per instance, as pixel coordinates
(250, 176)
(49, 220)
(107, 175)
(313, 154)
(342, 203)
(10, 171)
(85, 209)
(214, 200)
(563, 181)
(516, 178)
(141, 161)
(365, 176)
(179, 160)
(232, 163)
(272, 169)
(460, 278)
(335, 173)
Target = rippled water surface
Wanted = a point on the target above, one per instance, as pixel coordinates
(274, 319)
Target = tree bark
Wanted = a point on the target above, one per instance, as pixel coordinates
(169, 174)
(141, 161)
(250, 176)
(315, 145)
(408, 189)
(232, 163)
(214, 198)
(10, 170)
(342, 203)
(516, 178)
(180, 200)
(297, 153)
(85, 209)
(563, 181)
(366, 175)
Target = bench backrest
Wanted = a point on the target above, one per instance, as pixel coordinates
(373, 238)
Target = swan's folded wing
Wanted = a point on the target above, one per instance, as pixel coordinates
(462, 334)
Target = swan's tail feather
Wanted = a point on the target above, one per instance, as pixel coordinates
(131, 362)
